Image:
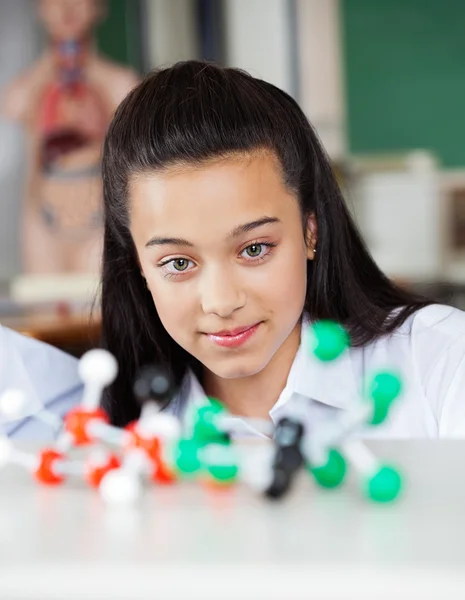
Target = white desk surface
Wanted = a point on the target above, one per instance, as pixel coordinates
(182, 542)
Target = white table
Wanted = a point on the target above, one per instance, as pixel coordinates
(181, 542)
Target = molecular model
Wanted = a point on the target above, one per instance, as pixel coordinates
(163, 449)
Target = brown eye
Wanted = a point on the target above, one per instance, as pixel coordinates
(180, 264)
(254, 250)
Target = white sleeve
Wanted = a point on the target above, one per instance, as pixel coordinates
(44, 373)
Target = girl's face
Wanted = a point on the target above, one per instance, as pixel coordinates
(222, 250)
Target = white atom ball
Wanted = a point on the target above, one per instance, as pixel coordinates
(12, 402)
(98, 367)
(120, 487)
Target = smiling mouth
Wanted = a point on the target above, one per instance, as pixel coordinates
(233, 332)
(233, 338)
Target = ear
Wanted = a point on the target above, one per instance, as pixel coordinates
(311, 236)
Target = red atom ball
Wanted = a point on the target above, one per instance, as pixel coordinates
(77, 420)
(45, 473)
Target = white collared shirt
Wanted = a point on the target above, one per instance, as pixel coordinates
(428, 351)
(48, 377)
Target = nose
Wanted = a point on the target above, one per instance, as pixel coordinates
(220, 293)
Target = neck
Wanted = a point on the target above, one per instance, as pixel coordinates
(85, 48)
(255, 396)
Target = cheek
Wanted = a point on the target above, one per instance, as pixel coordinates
(285, 284)
(175, 306)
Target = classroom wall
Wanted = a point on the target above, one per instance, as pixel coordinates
(404, 63)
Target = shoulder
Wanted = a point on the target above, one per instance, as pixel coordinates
(430, 336)
(20, 94)
(48, 377)
(428, 331)
(443, 320)
(33, 349)
(15, 99)
(441, 356)
(432, 342)
(432, 332)
(51, 369)
(428, 352)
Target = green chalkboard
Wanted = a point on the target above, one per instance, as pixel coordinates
(405, 76)
(119, 36)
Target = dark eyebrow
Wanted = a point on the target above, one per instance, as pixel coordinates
(247, 227)
(240, 230)
(165, 241)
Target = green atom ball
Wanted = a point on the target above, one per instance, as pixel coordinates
(205, 427)
(385, 386)
(187, 459)
(384, 389)
(215, 405)
(385, 485)
(331, 474)
(329, 340)
(223, 473)
(220, 462)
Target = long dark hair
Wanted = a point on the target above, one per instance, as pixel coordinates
(188, 113)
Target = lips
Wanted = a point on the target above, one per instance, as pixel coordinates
(232, 332)
(233, 338)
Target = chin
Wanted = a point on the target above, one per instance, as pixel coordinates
(237, 369)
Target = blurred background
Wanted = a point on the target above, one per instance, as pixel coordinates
(382, 81)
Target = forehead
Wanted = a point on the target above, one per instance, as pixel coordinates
(225, 193)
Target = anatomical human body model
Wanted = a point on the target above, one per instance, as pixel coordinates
(65, 101)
